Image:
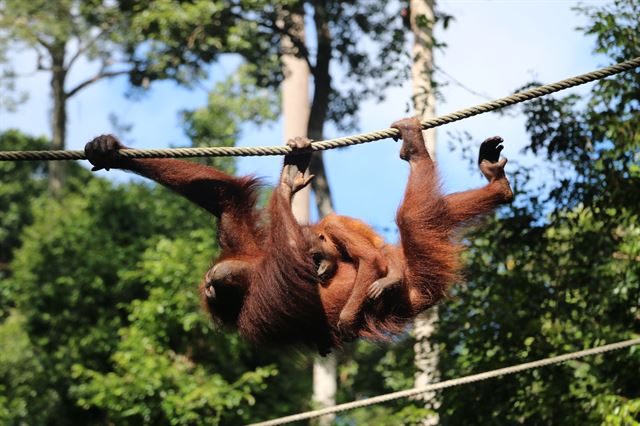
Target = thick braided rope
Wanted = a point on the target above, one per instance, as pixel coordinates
(449, 383)
(339, 142)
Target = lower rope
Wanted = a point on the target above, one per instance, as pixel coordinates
(450, 383)
(526, 95)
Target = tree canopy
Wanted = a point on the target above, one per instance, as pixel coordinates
(559, 270)
(99, 315)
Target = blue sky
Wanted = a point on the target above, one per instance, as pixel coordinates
(494, 47)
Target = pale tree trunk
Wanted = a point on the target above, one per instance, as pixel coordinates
(325, 386)
(325, 382)
(295, 106)
(58, 118)
(422, 20)
(297, 116)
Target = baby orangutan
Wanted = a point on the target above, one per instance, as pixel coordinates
(337, 238)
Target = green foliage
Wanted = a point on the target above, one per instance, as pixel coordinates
(559, 270)
(170, 367)
(106, 281)
(166, 366)
(231, 103)
(367, 41)
(145, 40)
(149, 386)
(47, 27)
(29, 21)
(65, 275)
(160, 30)
(367, 370)
(20, 183)
(24, 397)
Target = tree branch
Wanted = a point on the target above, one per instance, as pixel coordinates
(95, 78)
(297, 43)
(39, 66)
(40, 61)
(82, 49)
(46, 45)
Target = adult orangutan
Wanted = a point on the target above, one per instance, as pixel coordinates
(266, 282)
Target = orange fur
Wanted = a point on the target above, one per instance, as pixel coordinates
(265, 281)
(354, 225)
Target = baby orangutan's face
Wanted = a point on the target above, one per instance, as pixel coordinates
(325, 256)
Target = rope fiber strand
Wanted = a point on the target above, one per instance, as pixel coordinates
(526, 95)
(450, 383)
